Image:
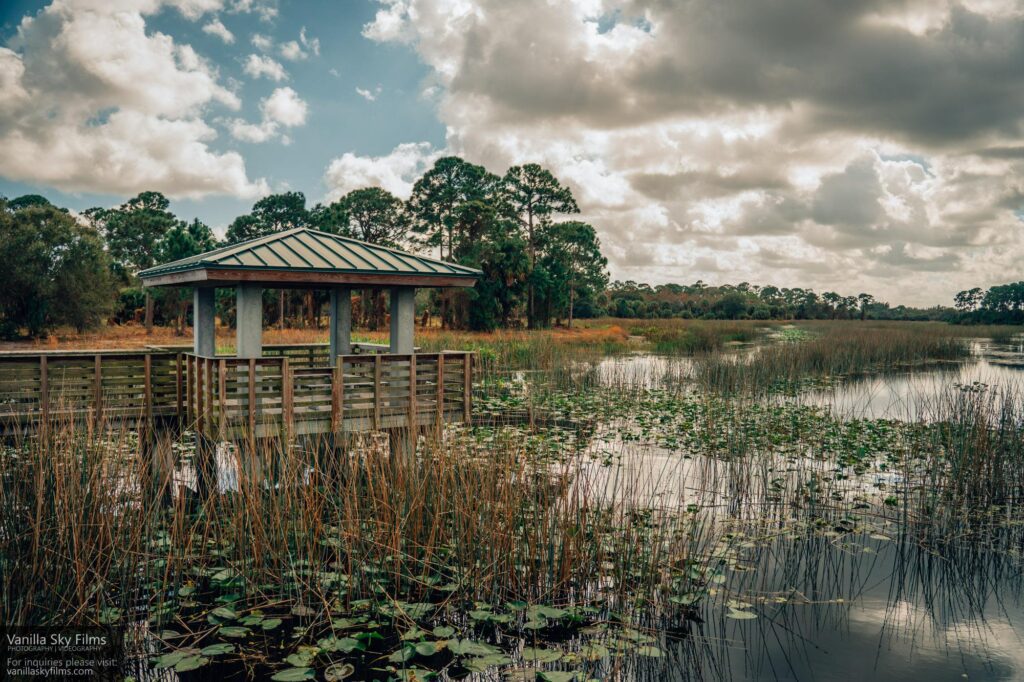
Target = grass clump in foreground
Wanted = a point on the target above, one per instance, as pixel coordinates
(356, 559)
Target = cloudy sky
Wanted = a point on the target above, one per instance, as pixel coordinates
(838, 144)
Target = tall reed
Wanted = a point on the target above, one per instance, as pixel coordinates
(833, 351)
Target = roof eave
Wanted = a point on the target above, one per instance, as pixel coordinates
(212, 275)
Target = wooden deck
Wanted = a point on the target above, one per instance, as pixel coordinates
(291, 391)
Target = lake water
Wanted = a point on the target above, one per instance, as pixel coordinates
(909, 395)
(840, 607)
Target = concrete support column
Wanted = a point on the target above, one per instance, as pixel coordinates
(249, 321)
(203, 338)
(341, 321)
(403, 318)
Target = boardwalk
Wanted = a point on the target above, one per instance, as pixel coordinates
(292, 390)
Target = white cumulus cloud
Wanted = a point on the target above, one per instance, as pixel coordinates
(216, 27)
(369, 95)
(292, 51)
(880, 145)
(91, 101)
(396, 171)
(261, 42)
(284, 106)
(282, 109)
(260, 65)
(297, 50)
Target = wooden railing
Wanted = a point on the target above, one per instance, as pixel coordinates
(295, 393)
(230, 398)
(88, 386)
(300, 354)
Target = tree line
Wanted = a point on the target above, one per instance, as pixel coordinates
(1001, 304)
(538, 266)
(742, 301)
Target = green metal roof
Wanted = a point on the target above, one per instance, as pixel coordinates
(305, 250)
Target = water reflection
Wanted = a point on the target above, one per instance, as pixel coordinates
(897, 613)
(912, 604)
(910, 395)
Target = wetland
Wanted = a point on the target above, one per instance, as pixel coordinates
(823, 501)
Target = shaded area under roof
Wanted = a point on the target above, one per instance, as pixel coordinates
(305, 257)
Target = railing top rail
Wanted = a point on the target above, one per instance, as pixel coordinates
(356, 357)
(233, 360)
(80, 352)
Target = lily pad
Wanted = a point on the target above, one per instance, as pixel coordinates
(406, 653)
(224, 613)
(234, 631)
(218, 649)
(738, 614)
(430, 648)
(169, 660)
(339, 671)
(479, 664)
(467, 647)
(190, 663)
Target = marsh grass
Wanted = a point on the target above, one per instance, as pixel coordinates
(695, 336)
(829, 352)
(313, 535)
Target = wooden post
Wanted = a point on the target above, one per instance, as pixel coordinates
(287, 407)
(147, 364)
(204, 333)
(198, 394)
(412, 394)
(403, 319)
(337, 381)
(222, 399)
(177, 388)
(440, 388)
(208, 403)
(376, 390)
(341, 322)
(98, 389)
(44, 393)
(248, 320)
(252, 397)
(189, 374)
(467, 395)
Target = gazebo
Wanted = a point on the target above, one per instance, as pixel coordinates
(311, 389)
(306, 259)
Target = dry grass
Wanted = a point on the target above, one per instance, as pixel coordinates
(85, 528)
(134, 336)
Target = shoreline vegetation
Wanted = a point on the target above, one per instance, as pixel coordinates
(537, 265)
(504, 548)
